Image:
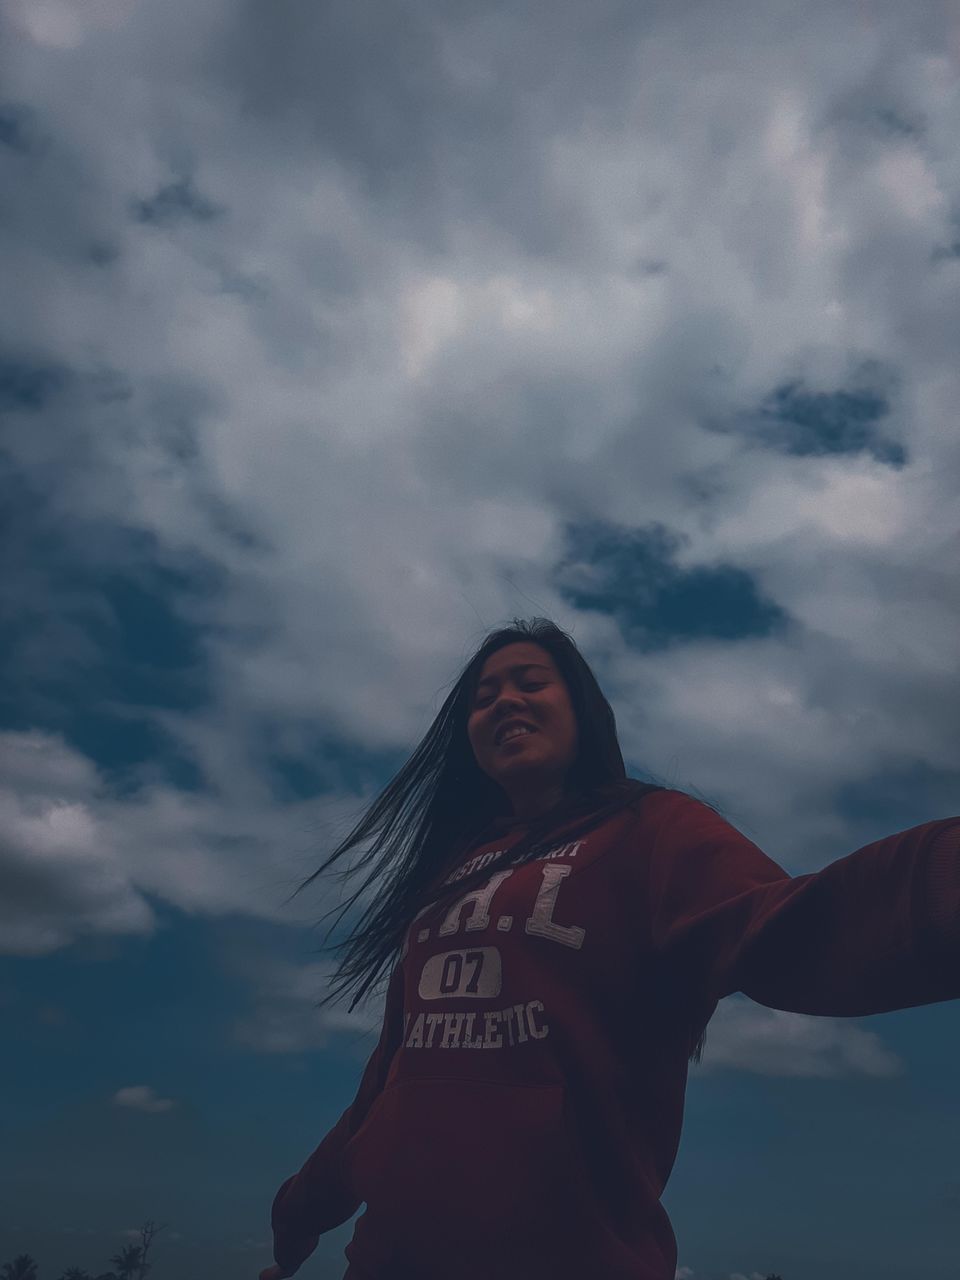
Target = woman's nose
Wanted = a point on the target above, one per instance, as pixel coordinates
(506, 701)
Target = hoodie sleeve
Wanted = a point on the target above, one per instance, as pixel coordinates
(319, 1197)
(876, 931)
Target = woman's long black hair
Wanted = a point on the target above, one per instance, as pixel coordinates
(440, 803)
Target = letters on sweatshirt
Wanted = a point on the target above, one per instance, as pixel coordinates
(475, 972)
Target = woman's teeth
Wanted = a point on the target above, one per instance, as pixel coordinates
(514, 733)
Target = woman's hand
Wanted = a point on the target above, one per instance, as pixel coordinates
(274, 1273)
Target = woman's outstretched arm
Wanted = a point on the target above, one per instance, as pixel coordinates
(875, 931)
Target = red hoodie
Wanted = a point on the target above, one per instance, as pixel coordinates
(521, 1113)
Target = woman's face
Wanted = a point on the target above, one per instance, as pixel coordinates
(521, 682)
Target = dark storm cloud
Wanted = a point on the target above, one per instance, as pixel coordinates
(445, 114)
(441, 113)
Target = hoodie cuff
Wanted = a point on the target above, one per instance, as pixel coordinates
(290, 1248)
(290, 1254)
(941, 894)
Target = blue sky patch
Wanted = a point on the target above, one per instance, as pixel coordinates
(900, 797)
(18, 129)
(801, 422)
(28, 384)
(96, 634)
(631, 575)
(177, 201)
(324, 762)
(804, 423)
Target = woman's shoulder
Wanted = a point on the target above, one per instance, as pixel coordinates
(657, 803)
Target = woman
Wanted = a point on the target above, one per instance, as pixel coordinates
(559, 937)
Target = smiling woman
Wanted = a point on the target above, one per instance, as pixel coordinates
(560, 936)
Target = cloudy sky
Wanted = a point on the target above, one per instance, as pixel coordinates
(336, 335)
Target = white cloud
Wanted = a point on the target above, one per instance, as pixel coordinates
(76, 860)
(61, 873)
(62, 24)
(142, 1097)
(743, 1036)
